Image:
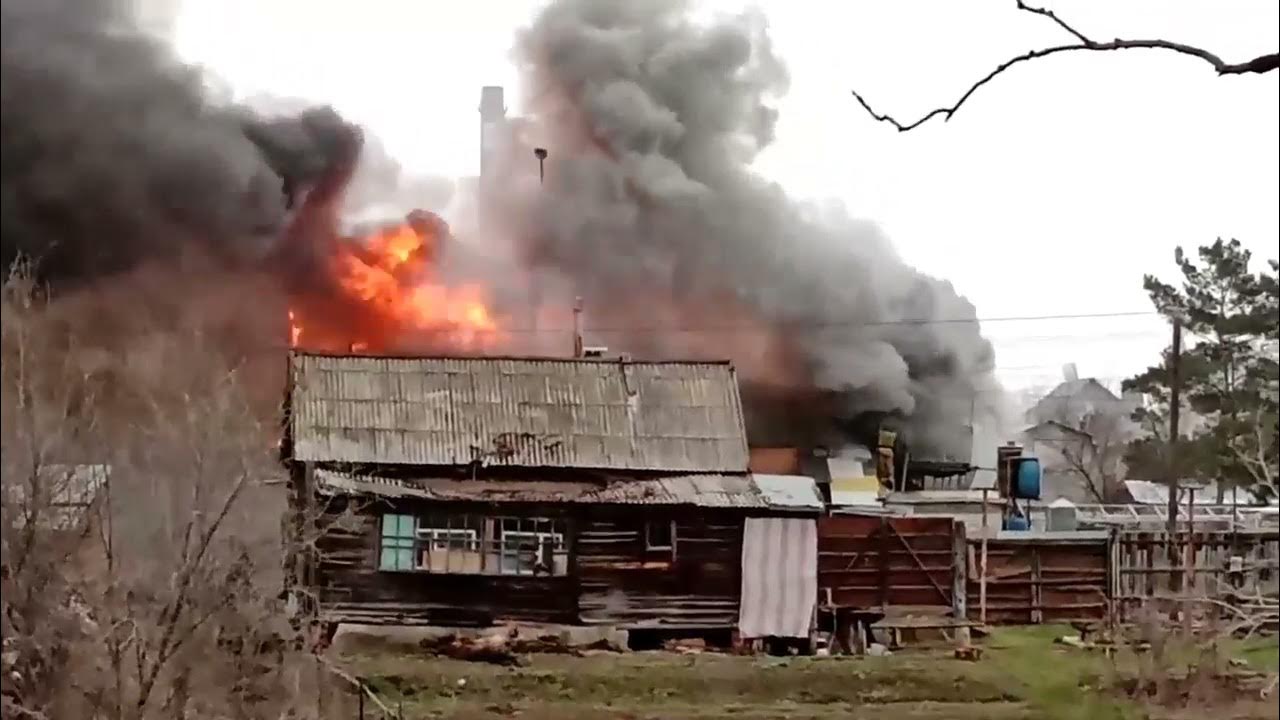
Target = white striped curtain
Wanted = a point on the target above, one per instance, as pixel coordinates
(779, 577)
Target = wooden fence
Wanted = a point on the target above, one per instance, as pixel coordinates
(1035, 579)
(909, 563)
(1203, 567)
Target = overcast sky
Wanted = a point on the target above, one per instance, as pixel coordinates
(1051, 192)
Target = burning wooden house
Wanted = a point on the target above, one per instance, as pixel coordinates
(450, 491)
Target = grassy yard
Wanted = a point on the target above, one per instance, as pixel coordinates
(1022, 674)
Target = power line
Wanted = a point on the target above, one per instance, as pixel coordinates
(1092, 337)
(879, 323)
(791, 325)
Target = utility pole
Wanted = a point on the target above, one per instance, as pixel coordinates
(541, 154)
(1175, 402)
(577, 327)
(535, 285)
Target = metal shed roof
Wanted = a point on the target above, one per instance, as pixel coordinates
(792, 492)
(711, 490)
(676, 416)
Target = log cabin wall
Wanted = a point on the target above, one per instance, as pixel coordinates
(625, 581)
(618, 572)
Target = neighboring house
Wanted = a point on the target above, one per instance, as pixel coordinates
(1076, 399)
(1080, 431)
(589, 491)
(66, 493)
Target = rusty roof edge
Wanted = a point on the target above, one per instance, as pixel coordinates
(658, 492)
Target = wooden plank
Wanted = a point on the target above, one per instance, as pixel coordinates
(960, 573)
(1037, 616)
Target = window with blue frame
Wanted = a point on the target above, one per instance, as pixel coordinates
(399, 543)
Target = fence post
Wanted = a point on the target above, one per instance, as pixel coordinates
(1112, 587)
(982, 577)
(960, 580)
(1037, 592)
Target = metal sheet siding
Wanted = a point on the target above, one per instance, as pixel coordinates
(779, 577)
(720, 491)
(684, 417)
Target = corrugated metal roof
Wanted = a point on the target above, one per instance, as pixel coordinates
(789, 491)
(682, 417)
(713, 490)
(1145, 492)
(983, 480)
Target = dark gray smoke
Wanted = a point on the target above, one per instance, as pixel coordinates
(114, 153)
(652, 213)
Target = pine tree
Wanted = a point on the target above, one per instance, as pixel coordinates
(1228, 369)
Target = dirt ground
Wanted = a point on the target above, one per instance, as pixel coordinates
(1021, 675)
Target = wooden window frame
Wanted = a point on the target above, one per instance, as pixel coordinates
(394, 540)
(489, 545)
(669, 545)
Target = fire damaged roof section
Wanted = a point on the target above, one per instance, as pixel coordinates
(590, 414)
(706, 490)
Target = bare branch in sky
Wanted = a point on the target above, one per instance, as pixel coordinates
(1258, 65)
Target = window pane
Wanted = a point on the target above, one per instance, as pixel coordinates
(388, 559)
(397, 525)
(658, 535)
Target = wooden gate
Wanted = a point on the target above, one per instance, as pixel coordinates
(877, 563)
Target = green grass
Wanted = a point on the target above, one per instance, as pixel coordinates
(1260, 653)
(1057, 681)
(1022, 675)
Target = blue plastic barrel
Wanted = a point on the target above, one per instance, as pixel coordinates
(1027, 486)
(1016, 522)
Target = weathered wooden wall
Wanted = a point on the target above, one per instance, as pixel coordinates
(352, 589)
(612, 578)
(1039, 580)
(1143, 570)
(873, 562)
(623, 584)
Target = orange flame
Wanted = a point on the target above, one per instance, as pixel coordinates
(295, 330)
(388, 276)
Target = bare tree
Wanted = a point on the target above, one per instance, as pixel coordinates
(1090, 449)
(1081, 42)
(141, 552)
(1256, 452)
